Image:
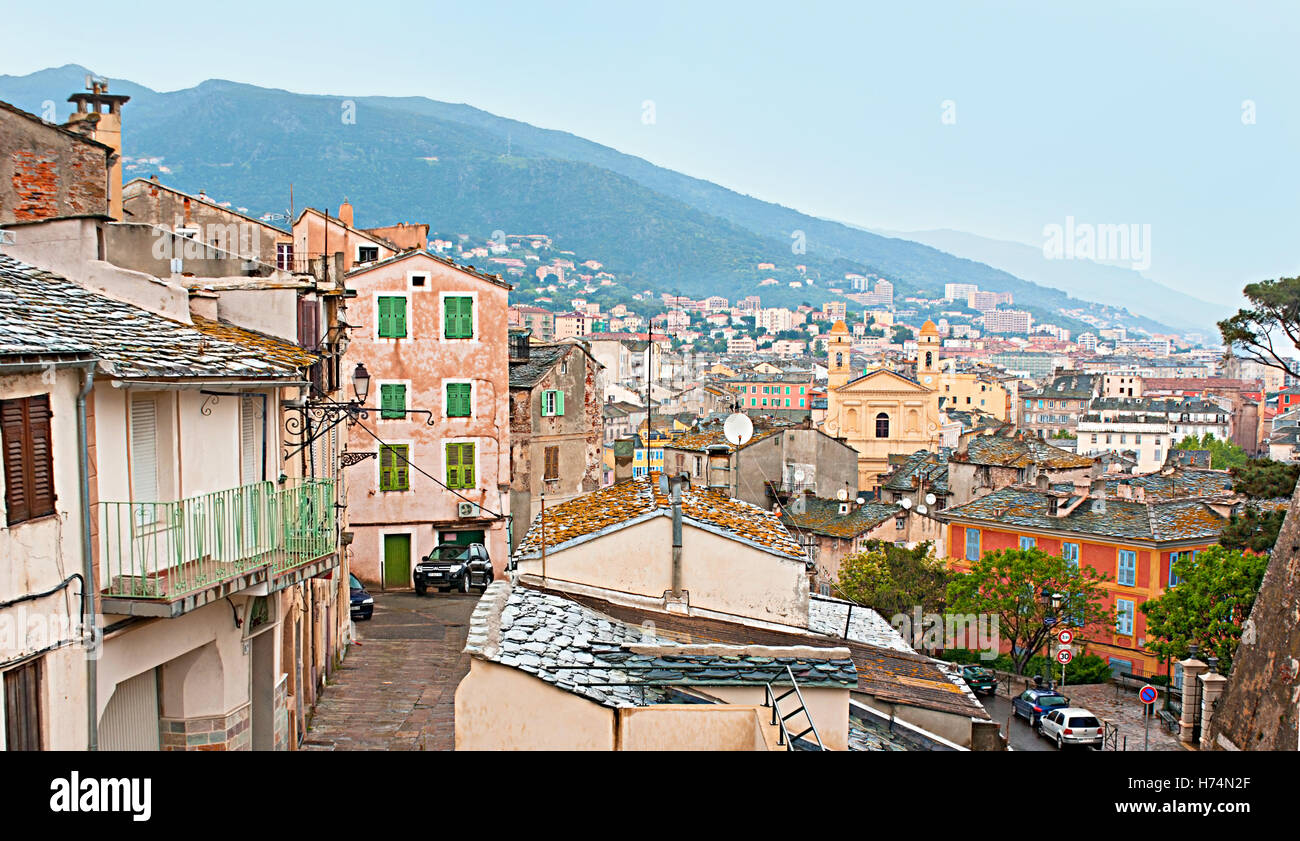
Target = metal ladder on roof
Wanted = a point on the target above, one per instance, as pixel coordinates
(773, 700)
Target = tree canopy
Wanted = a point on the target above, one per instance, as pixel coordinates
(1223, 454)
(1272, 319)
(894, 579)
(1009, 584)
(1209, 605)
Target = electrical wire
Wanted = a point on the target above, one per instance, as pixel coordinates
(425, 473)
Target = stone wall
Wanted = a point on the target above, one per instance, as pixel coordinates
(1258, 711)
(232, 731)
(47, 172)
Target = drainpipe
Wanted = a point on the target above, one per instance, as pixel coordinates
(87, 560)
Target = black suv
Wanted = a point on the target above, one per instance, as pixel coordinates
(454, 565)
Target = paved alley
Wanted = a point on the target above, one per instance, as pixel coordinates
(396, 689)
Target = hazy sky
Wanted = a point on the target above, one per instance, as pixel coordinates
(1124, 112)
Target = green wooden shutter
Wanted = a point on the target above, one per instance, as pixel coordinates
(467, 465)
(458, 317)
(392, 400)
(392, 317)
(453, 465)
(401, 468)
(459, 400)
(546, 404)
(386, 468)
(559, 402)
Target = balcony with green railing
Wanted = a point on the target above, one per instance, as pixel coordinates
(165, 551)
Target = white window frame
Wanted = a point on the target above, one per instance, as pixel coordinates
(378, 386)
(1124, 629)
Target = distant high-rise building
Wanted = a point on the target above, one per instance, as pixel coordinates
(959, 291)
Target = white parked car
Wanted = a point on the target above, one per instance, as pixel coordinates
(1071, 726)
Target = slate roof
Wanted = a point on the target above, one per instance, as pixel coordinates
(42, 313)
(1154, 520)
(1003, 451)
(1067, 386)
(1182, 483)
(635, 500)
(527, 373)
(619, 664)
(893, 676)
(865, 735)
(822, 516)
(921, 467)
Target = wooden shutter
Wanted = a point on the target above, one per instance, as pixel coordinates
(392, 400)
(552, 463)
(144, 449)
(13, 421)
(402, 467)
(546, 404)
(308, 323)
(453, 466)
(394, 469)
(386, 460)
(392, 317)
(22, 707)
(28, 458)
(459, 400)
(250, 440)
(559, 402)
(458, 317)
(467, 465)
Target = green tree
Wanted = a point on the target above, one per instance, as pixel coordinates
(1256, 527)
(1209, 605)
(1223, 454)
(894, 579)
(1010, 583)
(1263, 478)
(1274, 313)
(901, 334)
(1253, 529)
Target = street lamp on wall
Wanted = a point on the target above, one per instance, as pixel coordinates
(361, 383)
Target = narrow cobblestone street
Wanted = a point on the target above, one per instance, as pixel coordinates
(396, 689)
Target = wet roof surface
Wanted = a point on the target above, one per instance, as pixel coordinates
(615, 505)
(41, 312)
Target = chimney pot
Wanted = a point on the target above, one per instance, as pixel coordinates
(345, 213)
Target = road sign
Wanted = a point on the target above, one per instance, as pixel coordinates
(1065, 636)
(1148, 695)
(1064, 656)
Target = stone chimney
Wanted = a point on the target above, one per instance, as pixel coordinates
(345, 213)
(99, 116)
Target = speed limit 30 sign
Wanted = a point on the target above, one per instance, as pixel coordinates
(1064, 656)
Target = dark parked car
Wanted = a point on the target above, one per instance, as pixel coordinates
(1032, 704)
(457, 566)
(982, 681)
(363, 604)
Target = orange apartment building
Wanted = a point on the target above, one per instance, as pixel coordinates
(1130, 529)
(432, 464)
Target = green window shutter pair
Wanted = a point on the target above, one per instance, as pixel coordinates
(460, 466)
(459, 402)
(392, 401)
(458, 317)
(552, 403)
(394, 467)
(392, 317)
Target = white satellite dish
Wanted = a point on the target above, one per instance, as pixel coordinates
(862, 500)
(921, 509)
(798, 475)
(929, 499)
(841, 494)
(738, 429)
(906, 503)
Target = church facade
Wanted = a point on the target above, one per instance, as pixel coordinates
(880, 412)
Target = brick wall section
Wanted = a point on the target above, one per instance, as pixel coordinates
(47, 172)
(282, 714)
(222, 732)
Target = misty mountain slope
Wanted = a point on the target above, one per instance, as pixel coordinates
(413, 159)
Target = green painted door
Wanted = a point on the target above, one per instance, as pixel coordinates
(397, 560)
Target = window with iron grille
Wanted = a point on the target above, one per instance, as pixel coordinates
(28, 458)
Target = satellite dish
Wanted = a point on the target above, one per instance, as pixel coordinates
(798, 475)
(921, 509)
(738, 429)
(906, 503)
(929, 499)
(862, 500)
(841, 494)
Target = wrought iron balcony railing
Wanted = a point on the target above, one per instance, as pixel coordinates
(168, 550)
